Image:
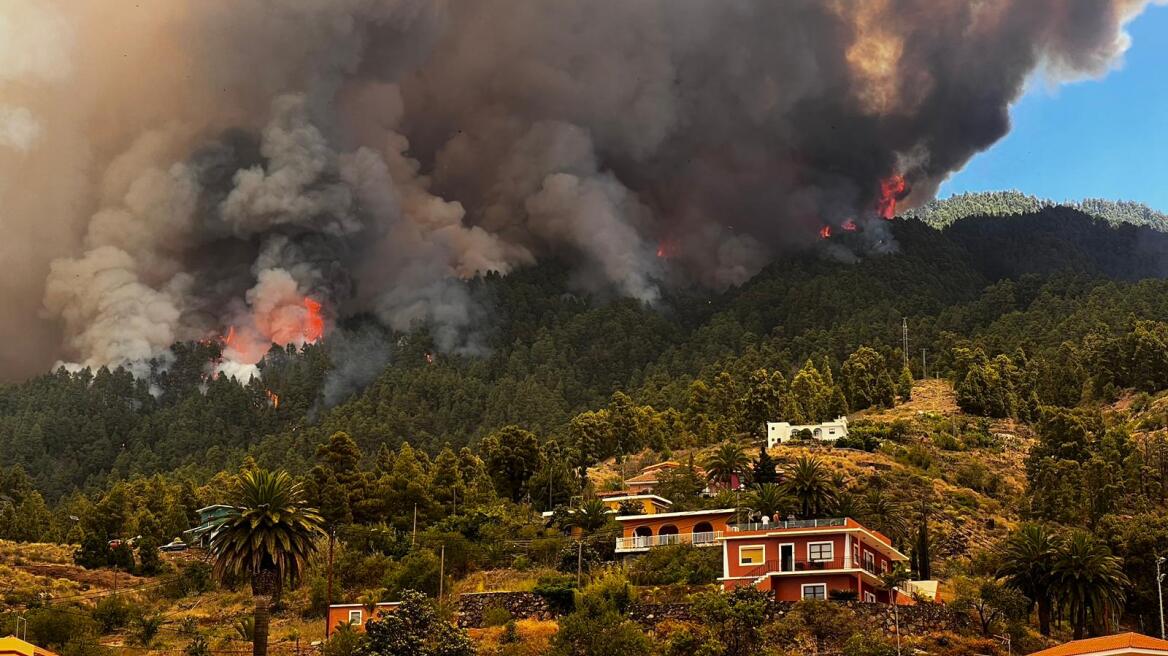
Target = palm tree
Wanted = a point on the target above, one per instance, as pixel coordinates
(809, 481)
(1027, 566)
(590, 515)
(770, 499)
(727, 461)
(1087, 578)
(269, 538)
(884, 514)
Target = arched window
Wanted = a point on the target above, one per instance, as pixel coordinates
(668, 534)
(703, 533)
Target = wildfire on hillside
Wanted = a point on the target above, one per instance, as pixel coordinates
(892, 190)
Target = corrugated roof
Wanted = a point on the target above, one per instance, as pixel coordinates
(1108, 644)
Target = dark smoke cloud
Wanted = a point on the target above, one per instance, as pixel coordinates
(357, 356)
(368, 153)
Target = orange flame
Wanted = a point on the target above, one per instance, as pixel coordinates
(825, 232)
(892, 189)
(668, 248)
(313, 323)
(849, 225)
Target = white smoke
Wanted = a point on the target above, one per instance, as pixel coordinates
(371, 155)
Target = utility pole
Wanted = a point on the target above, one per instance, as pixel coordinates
(329, 593)
(442, 574)
(414, 535)
(904, 339)
(579, 562)
(1160, 592)
(924, 365)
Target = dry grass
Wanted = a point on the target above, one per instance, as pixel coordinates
(501, 580)
(535, 638)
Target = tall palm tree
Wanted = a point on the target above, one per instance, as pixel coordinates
(268, 537)
(883, 513)
(727, 461)
(1087, 579)
(770, 499)
(1027, 566)
(811, 484)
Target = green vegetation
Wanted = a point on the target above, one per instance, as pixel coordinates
(941, 213)
(1048, 330)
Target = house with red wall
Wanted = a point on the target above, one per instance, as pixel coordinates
(809, 559)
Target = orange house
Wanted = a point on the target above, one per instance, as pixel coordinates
(702, 528)
(810, 559)
(646, 479)
(356, 615)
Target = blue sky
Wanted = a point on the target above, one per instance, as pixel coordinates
(1097, 138)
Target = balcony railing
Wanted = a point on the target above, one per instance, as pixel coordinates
(813, 565)
(789, 524)
(639, 543)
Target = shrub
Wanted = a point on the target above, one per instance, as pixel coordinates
(842, 595)
(113, 613)
(149, 562)
(195, 579)
(598, 625)
(558, 590)
(677, 564)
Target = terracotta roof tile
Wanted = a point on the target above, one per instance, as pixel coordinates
(1107, 643)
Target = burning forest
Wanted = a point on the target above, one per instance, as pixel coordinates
(254, 172)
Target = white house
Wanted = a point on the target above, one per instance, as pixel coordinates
(829, 431)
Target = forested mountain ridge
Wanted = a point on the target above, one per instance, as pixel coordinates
(943, 212)
(1003, 284)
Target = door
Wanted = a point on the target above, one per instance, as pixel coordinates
(786, 558)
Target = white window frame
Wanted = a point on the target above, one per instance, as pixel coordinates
(358, 619)
(751, 546)
(803, 590)
(869, 597)
(869, 557)
(883, 566)
(821, 559)
(794, 556)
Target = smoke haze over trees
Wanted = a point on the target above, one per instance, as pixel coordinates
(216, 170)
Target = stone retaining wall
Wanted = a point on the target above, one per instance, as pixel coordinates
(521, 605)
(922, 618)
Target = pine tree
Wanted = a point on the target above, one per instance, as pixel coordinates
(904, 384)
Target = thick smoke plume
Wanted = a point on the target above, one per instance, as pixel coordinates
(186, 170)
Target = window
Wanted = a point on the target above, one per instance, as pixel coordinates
(815, 591)
(355, 617)
(870, 597)
(818, 552)
(753, 554)
(869, 561)
(884, 567)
